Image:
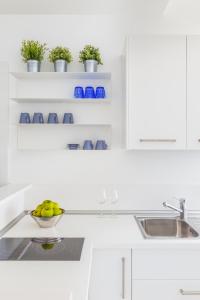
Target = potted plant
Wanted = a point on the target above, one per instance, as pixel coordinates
(90, 57)
(60, 56)
(33, 53)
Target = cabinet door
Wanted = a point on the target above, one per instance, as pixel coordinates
(111, 275)
(166, 290)
(193, 92)
(156, 92)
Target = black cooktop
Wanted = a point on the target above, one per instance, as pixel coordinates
(41, 249)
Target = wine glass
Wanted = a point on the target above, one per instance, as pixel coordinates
(114, 198)
(109, 196)
(103, 200)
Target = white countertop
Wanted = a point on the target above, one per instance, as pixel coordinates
(70, 280)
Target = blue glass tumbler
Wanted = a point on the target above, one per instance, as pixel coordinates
(89, 92)
(78, 92)
(100, 92)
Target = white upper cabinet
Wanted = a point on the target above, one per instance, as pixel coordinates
(193, 92)
(156, 92)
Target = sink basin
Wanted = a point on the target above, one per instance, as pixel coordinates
(165, 228)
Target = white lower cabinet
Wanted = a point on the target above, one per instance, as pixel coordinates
(145, 274)
(166, 289)
(111, 275)
(167, 274)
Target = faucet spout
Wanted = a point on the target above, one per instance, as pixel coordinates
(181, 210)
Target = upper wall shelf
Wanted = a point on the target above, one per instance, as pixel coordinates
(66, 75)
(60, 100)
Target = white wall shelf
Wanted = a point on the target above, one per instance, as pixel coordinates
(60, 100)
(57, 136)
(66, 75)
(61, 125)
(69, 151)
(82, 150)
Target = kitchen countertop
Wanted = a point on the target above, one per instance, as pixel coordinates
(70, 280)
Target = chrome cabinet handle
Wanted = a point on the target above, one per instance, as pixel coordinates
(123, 277)
(157, 140)
(189, 293)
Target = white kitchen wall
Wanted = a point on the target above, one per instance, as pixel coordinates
(130, 196)
(118, 166)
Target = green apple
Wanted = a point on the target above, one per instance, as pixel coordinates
(56, 205)
(37, 213)
(33, 213)
(57, 211)
(47, 212)
(39, 207)
(47, 246)
(47, 202)
(48, 205)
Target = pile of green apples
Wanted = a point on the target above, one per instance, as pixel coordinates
(47, 209)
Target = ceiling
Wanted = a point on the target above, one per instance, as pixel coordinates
(135, 7)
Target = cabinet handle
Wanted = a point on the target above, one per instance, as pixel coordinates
(189, 293)
(123, 277)
(157, 140)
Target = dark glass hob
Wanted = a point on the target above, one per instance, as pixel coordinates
(41, 249)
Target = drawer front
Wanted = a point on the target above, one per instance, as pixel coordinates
(166, 264)
(166, 289)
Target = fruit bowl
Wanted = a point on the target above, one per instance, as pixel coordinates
(47, 222)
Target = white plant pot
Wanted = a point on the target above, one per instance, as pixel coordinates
(33, 65)
(60, 65)
(90, 65)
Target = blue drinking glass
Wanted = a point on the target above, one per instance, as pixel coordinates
(73, 146)
(52, 118)
(24, 118)
(88, 145)
(101, 145)
(78, 92)
(68, 118)
(38, 118)
(100, 92)
(89, 92)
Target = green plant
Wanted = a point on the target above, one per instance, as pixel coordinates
(60, 53)
(90, 52)
(32, 50)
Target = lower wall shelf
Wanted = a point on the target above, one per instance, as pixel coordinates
(57, 136)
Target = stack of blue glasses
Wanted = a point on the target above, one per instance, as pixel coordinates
(89, 92)
(38, 118)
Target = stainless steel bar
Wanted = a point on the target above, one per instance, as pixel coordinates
(157, 140)
(189, 293)
(123, 277)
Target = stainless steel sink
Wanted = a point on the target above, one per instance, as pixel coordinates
(162, 227)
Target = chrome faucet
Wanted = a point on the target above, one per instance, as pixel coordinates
(181, 210)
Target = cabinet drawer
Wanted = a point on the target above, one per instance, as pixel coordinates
(166, 289)
(166, 264)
